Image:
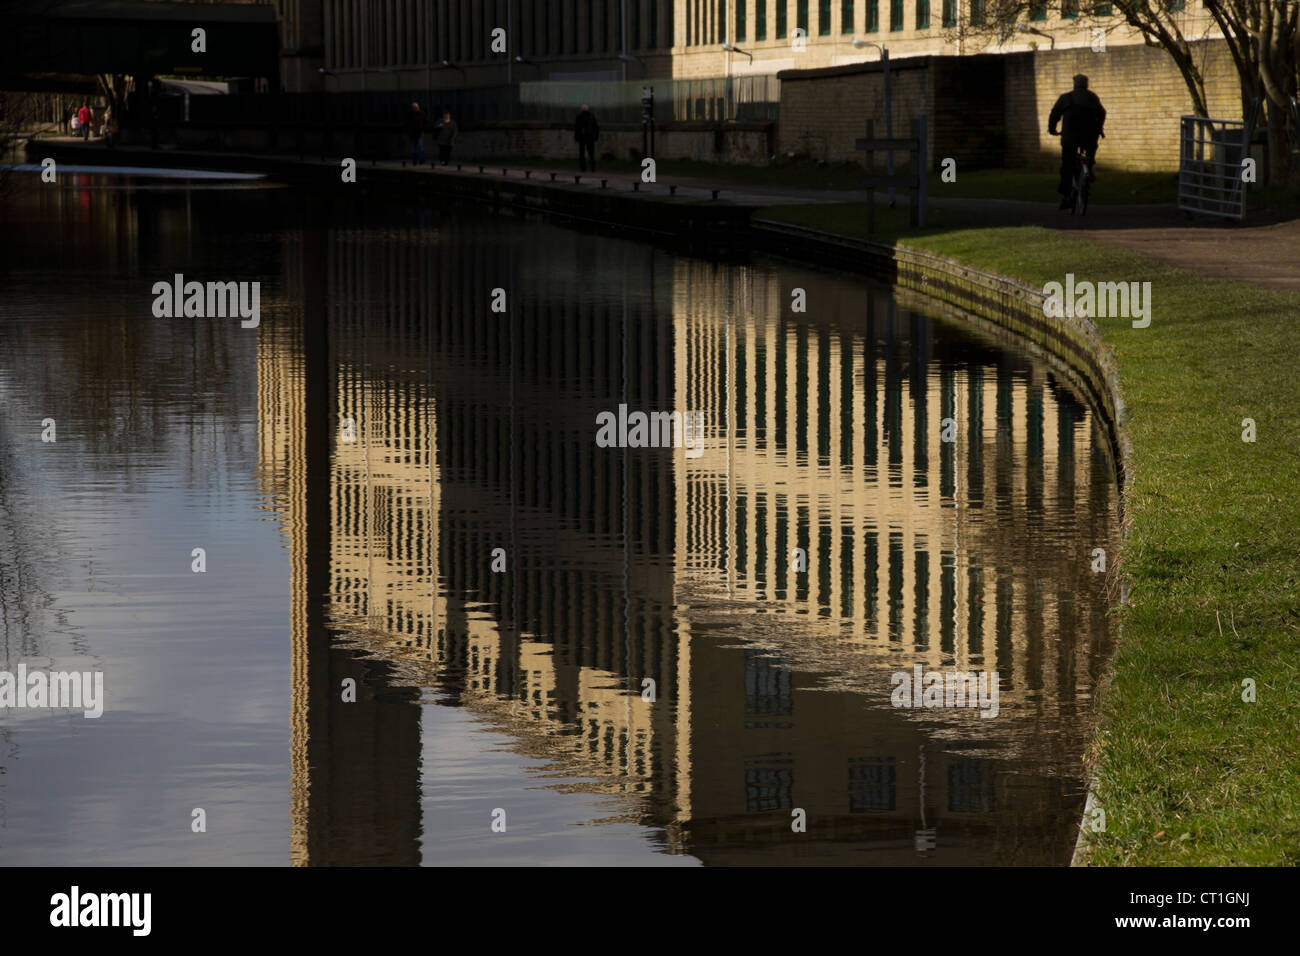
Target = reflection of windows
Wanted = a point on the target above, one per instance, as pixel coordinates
(769, 787)
(872, 781)
(970, 785)
(767, 688)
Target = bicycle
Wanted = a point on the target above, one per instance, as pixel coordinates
(1080, 187)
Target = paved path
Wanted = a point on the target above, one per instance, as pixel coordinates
(1265, 254)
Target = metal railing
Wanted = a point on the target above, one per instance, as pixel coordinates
(1210, 166)
(742, 98)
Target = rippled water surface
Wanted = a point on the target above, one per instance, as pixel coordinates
(649, 655)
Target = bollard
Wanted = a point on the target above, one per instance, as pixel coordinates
(528, 174)
(577, 180)
(480, 169)
(604, 183)
(636, 186)
(715, 193)
(552, 177)
(503, 172)
(672, 190)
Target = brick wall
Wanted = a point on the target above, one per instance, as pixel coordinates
(824, 111)
(991, 110)
(1141, 88)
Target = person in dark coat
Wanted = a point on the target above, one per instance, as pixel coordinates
(446, 132)
(415, 117)
(1082, 119)
(586, 131)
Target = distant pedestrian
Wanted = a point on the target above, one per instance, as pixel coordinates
(415, 133)
(85, 117)
(110, 125)
(586, 131)
(446, 133)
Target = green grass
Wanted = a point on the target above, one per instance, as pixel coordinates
(1186, 771)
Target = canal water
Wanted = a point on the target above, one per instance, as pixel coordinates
(397, 575)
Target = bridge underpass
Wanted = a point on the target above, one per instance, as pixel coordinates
(47, 46)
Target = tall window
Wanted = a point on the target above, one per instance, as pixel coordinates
(1175, 4)
(873, 16)
(977, 12)
(760, 20)
(1038, 10)
(950, 13)
(722, 22)
(802, 10)
(824, 18)
(782, 14)
(895, 15)
(654, 24)
(846, 16)
(1069, 9)
(923, 14)
(742, 19)
(1101, 10)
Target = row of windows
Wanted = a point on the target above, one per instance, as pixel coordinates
(707, 22)
(873, 785)
(400, 32)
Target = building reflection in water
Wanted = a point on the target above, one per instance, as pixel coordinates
(652, 636)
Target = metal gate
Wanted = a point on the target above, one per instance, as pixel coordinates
(1210, 166)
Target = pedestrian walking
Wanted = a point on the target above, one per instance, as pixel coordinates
(85, 117)
(415, 118)
(586, 131)
(446, 135)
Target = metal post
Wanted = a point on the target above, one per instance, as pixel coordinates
(889, 119)
(871, 190)
(920, 164)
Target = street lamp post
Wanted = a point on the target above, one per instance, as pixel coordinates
(1028, 29)
(889, 106)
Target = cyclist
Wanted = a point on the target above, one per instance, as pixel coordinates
(1082, 119)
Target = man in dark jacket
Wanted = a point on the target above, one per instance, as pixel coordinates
(446, 133)
(415, 118)
(1082, 119)
(586, 131)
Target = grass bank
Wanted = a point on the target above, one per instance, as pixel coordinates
(1187, 772)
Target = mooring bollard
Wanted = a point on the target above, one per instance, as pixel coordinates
(636, 186)
(552, 177)
(480, 169)
(458, 167)
(503, 172)
(672, 190)
(577, 180)
(604, 183)
(715, 193)
(528, 174)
